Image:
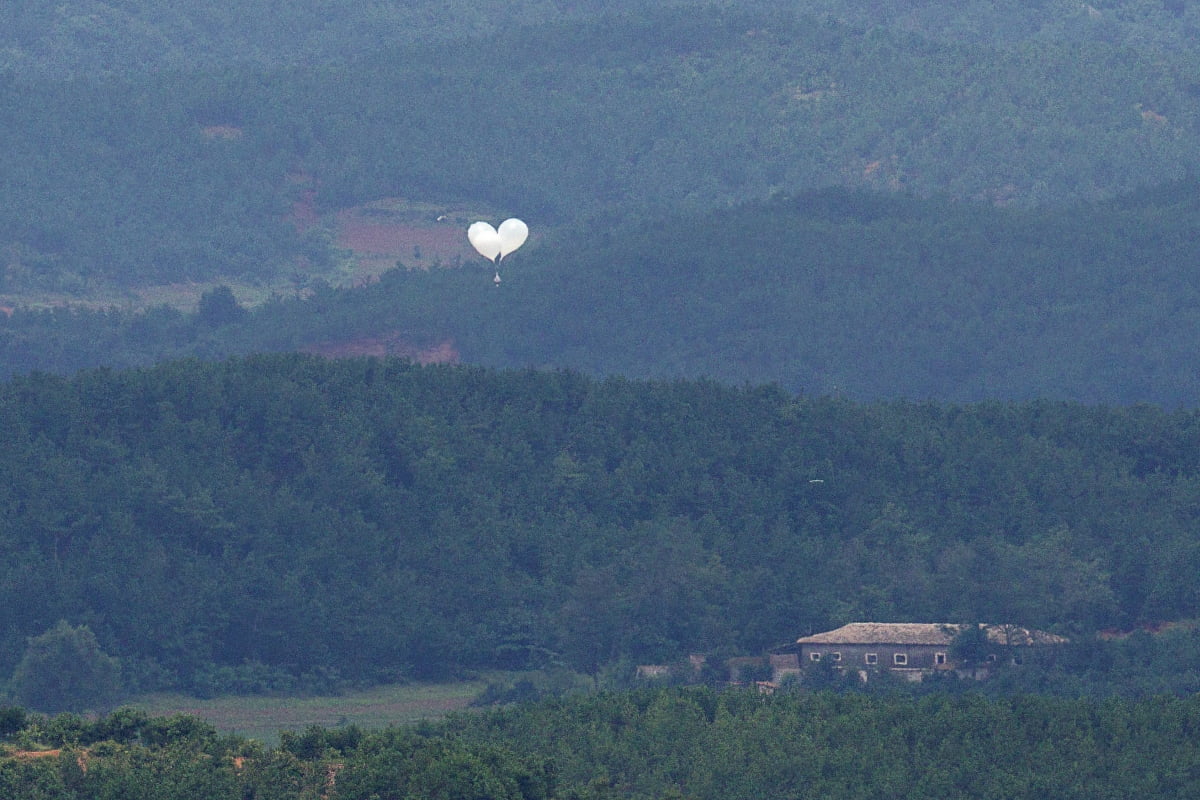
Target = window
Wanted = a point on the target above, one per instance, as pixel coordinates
(871, 658)
(939, 658)
(836, 656)
(900, 659)
(814, 656)
(991, 658)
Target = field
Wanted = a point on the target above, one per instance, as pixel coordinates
(367, 240)
(264, 717)
(379, 234)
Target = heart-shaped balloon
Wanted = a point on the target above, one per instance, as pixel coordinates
(513, 234)
(485, 239)
(495, 244)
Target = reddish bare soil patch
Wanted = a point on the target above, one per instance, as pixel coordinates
(378, 235)
(304, 210)
(32, 754)
(382, 240)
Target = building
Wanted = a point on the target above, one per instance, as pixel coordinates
(912, 648)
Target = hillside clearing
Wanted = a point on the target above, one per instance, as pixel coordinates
(264, 717)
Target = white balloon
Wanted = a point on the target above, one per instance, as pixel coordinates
(513, 233)
(485, 239)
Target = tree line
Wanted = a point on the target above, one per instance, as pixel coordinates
(647, 744)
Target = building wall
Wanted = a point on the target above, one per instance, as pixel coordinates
(783, 665)
(859, 656)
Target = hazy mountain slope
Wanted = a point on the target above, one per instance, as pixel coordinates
(90, 37)
(1148, 25)
(862, 294)
(177, 177)
(877, 296)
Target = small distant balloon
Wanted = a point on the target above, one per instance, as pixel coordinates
(495, 244)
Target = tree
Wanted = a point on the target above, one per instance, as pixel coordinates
(970, 645)
(218, 307)
(12, 720)
(64, 669)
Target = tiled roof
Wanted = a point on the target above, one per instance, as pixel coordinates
(930, 633)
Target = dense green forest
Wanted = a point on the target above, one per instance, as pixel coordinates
(90, 37)
(661, 744)
(851, 293)
(371, 520)
(666, 160)
(783, 219)
(177, 175)
(1151, 25)
(104, 37)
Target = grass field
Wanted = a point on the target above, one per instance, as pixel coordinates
(264, 717)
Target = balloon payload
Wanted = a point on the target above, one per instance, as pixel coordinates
(495, 243)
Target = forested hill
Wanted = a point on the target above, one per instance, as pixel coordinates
(372, 519)
(89, 37)
(110, 37)
(601, 120)
(875, 296)
(854, 293)
(1154, 26)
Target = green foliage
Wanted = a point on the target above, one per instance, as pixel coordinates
(671, 743)
(836, 292)
(219, 307)
(64, 669)
(970, 645)
(12, 720)
(284, 523)
(92, 37)
(742, 745)
(581, 121)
